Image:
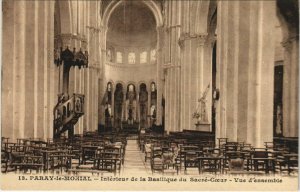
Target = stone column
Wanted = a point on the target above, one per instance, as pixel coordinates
(195, 76)
(29, 81)
(149, 99)
(245, 70)
(172, 66)
(204, 72)
(159, 75)
(291, 87)
(103, 80)
(172, 81)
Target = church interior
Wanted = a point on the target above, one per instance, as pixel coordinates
(150, 87)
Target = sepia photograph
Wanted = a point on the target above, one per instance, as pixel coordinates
(150, 95)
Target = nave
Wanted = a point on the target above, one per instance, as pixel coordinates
(119, 88)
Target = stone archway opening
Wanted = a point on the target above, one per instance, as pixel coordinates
(131, 41)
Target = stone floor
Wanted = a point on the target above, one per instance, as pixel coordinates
(135, 161)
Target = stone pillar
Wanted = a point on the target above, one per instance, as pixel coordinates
(29, 81)
(195, 76)
(149, 100)
(159, 75)
(7, 102)
(103, 80)
(167, 105)
(204, 72)
(172, 66)
(188, 98)
(172, 81)
(245, 70)
(291, 87)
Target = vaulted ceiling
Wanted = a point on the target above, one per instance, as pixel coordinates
(132, 18)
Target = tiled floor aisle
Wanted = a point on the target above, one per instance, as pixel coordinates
(134, 160)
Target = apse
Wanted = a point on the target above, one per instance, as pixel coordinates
(131, 63)
(131, 35)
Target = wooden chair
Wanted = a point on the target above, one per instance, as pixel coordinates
(156, 163)
(60, 160)
(4, 161)
(147, 147)
(222, 142)
(29, 162)
(262, 161)
(191, 159)
(170, 163)
(236, 165)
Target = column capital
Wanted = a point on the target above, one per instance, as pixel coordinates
(169, 28)
(211, 39)
(170, 65)
(95, 66)
(200, 38)
(160, 28)
(93, 29)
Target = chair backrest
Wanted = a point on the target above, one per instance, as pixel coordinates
(168, 157)
(148, 147)
(222, 141)
(236, 164)
(232, 154)
(231, 147)
(260, 154)
(269, 145)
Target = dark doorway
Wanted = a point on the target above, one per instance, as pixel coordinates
(278, 90)
(214, 79)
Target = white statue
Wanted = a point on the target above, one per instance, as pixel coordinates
(201, 112)
(278, 120)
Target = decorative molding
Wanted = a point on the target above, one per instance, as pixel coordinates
(116, 65)
(168, 28)
(93, 29)
(212, 39)
(66, 40)
(170, 65)
(71, 58)
(94, 66)
(200, 38)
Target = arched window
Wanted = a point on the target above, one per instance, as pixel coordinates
(153, 55)
(109, 56)
(131, 58)
(143, 57)
(119, 57)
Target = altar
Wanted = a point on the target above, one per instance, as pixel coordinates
(130, 128)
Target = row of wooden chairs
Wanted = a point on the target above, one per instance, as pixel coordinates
(36, 154)
(227, 156)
